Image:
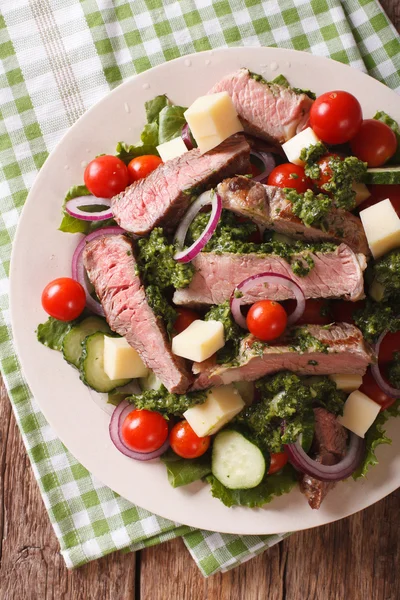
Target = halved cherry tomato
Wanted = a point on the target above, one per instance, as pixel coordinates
(144, 430)
(389, 345)
(64, 299)
(336, 117)
(374, 143)
(371, 389)
(185, 443)
(266, 320)
(278, 461)
(141, 166)
(381, 192)
(106, 176)
(316, 312)
(290, 176)
(325, 170)
(184, 319)
(343, 311)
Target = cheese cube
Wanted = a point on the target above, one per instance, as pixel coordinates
(212, 119)
(382, 227)
(222, 404)
(293, 147)
(121, 361)
(199, 341)
(359, 413)
(347, 382)
(172, 149)
(362, 192)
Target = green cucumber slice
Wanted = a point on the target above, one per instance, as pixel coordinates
(236, 463)
(91, 365)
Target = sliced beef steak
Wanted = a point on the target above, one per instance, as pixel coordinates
(164, 196)
(267, 110)
(329, 447)
(268, 206)
(111, 266)
(337, 274)
(346, 352)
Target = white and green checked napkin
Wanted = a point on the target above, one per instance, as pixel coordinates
(59, 57)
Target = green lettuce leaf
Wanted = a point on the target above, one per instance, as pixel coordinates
(70, 224)
(149, 135)
(375, 437)
(155, 106)
(127, 152)
(271, 486)
(171, 121)
(385, 118)
(182, 471)
(52, 332)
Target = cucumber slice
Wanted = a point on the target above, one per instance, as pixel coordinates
(151, 382)
(72, 343)
(246, 391)
(385, 175)
(236, 463)
(91, 365)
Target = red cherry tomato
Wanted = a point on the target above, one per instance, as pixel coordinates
(325, 170)
(106, 176)
(381, 192)
(141, 166)
(374, 143)
(389, 345)
(144, 430)
(266, 320)
(186, 443)
(278, 461)
(371, 389)
(336, 117)
(343, 311)
(290, 176)
(184, 319)
(64, 299)
(316, 312)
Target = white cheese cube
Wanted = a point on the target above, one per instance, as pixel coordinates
(382, 227)
(121, 361)
(347, 382)
(212, 119)
(171, 149)
(359, 413)
(199, 341)
(293, 147)
(362, 192)
(222, 404)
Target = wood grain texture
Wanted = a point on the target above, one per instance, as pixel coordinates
(353, 559)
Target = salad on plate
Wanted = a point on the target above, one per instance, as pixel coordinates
(236, 289)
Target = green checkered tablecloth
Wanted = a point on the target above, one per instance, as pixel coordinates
(59, 57)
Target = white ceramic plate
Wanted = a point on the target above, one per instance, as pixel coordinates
(41, 253)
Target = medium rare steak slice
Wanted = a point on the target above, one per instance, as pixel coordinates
(268, 206)
(343, 351)
(164, 196)
(111, 267)
(329, 447)
(336, 274)
(267, 110)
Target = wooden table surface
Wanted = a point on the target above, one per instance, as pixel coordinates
(354, 559)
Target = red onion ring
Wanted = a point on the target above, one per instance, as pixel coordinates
(377, 375)
(189, 254)
(119, 415)
(267, 160)
(275, 278)
(78, 268)
(302, 462)
(186, 135)
(72, 208)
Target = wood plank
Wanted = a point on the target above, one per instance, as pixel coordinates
(31, 565)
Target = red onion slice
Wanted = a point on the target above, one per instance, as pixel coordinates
(210, 197)
(78, 269)
(72, 208)
(119, 415)
(376, 372)
(343, 469)
(268, 278)
(267, 160)
(187, 137)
